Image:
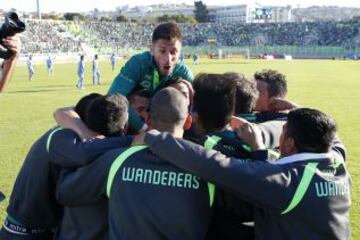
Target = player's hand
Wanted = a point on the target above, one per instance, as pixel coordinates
(280, 105)
(13, 43)
(251, 134)
(237, 122)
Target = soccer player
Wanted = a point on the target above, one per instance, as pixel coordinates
(153, 68)
(50, 66)
(303, 195)
(272, 86)
(149, 70)
(96, 70)
(148, 198)
(246, 98)
(81, 73)
(213, 108)
(30, 65)
(196, 59)
(7, 67)
(113, 61)
(33, 211)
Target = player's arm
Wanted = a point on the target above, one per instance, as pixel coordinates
(271, 131)
(67, 118)
(85, 185)
(14, 45)
(127, 79)
(257, 182)
(66, 149)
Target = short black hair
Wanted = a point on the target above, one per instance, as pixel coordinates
(277, 84)
(108, 115)
(167, 31)
(168, 108)
(312, 130)
(214, 100)
(83, 105)
(246, 93)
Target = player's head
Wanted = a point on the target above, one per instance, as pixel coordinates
(139, 100)
(214, 102)
(271, 84)
(166, 46)
(83, 105)
(183, 86)
(108, 115)
(246, 93)
(96, 56)
(169, 111)
(81, 57)
(307, 130)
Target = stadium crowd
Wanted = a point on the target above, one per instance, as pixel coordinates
(48, 37)
(55, 36)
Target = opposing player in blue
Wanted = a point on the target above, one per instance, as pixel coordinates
(113, 61)
(96, 71)
(50, 66)
(30, 65)
(81, 73)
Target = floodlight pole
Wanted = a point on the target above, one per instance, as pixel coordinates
(38, 9)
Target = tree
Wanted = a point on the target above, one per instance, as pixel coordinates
(122, 18)
(105, 19)
(74, 16)
(177, 18)
(201, 13)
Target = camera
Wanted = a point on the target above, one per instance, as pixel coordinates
(10, 27)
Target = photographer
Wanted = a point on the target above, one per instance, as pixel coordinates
(13, 43)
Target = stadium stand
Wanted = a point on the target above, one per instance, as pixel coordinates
(67, 36)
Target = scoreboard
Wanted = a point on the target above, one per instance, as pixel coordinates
(263, 13)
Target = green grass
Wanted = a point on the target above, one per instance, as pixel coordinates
(27, 107)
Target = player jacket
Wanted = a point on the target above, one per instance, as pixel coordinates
(148, 197)
(303, 196)
(32, 202)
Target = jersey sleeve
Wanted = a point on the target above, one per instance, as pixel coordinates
(66, 149)
(186, 73)
(85, 185)
(128, 78)
(257, 182)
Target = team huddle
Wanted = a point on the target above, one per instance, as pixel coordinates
(164, 155)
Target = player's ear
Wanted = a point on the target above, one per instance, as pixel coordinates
(188, 122)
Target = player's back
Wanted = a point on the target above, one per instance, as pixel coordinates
(225, 223)
(32, 201)
(152, 199)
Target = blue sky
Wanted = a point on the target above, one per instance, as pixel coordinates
(85, 5)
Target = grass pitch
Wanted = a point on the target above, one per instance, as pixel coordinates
(27, 107)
